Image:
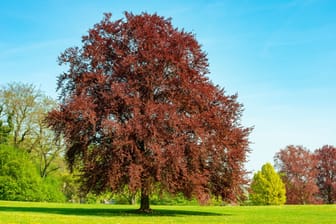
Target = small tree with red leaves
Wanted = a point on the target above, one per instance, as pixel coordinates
(138, 110)
(326, 176)
(297, 166)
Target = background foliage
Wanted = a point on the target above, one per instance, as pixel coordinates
(20, 179)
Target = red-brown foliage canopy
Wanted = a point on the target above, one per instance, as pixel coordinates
(326, 176)
(297, 167)
(138, 110)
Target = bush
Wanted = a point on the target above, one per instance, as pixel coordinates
(52, 190)
(20, 180)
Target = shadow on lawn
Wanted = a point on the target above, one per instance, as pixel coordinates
(107, 211)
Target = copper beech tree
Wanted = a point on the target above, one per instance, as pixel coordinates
(297, 166)
(326, 173)
(138, 110)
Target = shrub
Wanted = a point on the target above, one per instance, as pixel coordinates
(20, 180)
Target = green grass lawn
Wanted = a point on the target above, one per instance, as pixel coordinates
(49, 213)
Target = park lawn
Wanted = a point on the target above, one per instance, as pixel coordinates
(52, 213)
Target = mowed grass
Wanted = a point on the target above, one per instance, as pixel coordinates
(49, 213)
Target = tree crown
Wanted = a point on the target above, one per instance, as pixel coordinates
(267, 187)
(137, 109)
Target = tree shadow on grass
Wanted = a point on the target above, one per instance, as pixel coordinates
(106, 212)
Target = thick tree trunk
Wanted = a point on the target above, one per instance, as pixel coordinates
(144, 203)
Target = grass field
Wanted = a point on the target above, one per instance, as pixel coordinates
(51, 213)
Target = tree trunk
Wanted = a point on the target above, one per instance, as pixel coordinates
(144, 203)
(133, 199)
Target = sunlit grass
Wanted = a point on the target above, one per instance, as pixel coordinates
(50, 213)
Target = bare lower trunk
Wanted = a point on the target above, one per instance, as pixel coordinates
(144, 203)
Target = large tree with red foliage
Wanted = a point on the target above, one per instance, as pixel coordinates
(326, 176)
(138, 110)
(297, 166)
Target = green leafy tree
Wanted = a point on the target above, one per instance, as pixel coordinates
(44, 146)
(20, 100)
(23, 109)
(52, 189)
(20, 180)
(267, 187)
(71, 186)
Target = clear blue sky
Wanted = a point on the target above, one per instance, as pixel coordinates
(279, 56)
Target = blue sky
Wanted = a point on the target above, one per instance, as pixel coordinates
(279, 56)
